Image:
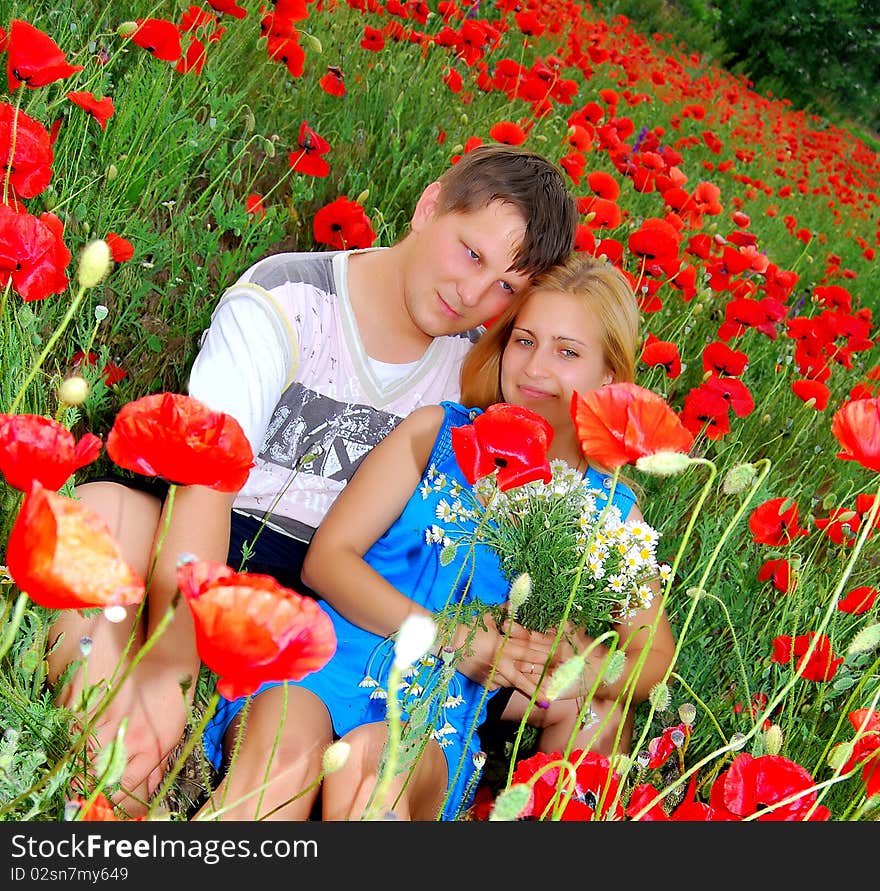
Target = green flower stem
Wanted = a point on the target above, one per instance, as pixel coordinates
(14, 624)
(392, 749)
(275, 743)
(50, 345)
(492, 671)
(560, 629)
(194, 739)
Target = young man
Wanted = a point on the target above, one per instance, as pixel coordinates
(318, 356)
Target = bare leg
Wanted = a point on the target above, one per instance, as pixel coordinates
(248, 791)
(557, 723)
(347, 792)
(133, 517)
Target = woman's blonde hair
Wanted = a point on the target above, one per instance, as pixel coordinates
(604, 289)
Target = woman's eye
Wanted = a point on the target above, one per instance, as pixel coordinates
(473, 254)
(506, 286)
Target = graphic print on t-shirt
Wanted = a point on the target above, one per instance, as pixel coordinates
(341, 433)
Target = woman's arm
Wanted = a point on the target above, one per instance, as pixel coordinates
(374, 498)
(371, 501)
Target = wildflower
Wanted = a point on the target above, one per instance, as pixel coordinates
(308, 158)
(27, 159)
(858, 600)
(100, 109)
(343, 224)
(34, 254)
(772, 525)
(751, 786)
(62, 554)
(594, 789)
(856, 426)
(180, 439)
(34, 448)
(158, 37)
(822, 663)
(33, 58)
(250, 629)
(121, 249)
(622, 422)
(508, 439)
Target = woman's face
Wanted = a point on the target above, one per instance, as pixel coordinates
(554, 349)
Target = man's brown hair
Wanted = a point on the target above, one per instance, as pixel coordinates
(528, 182)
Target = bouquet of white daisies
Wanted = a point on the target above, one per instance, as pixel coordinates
(570, 541)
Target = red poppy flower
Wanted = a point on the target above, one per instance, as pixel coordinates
(508, 133)
(229, 7)
(770, 525)
(250, 629)
(750, 785)
(856, 426)
(180, 439)
(287, 51)
(660, 748)
(37, 448)
(706, 411)
(734, 392)
(689, 811)
(113, 374)
(101, 109)
(601, 213)
(27, 159)
(193, 59)
(663, 353)
(254, 206)
(159, 38)
(656, 243)
(373, 39)
(604, 185)
(720, 359)
(620, 423)
(63, 555)
(33, 58)
(780, 572)
(841, 526)
(343, 224)
(308, 157)
(594, 793)
(858, 601)
(333, 81)
(812, 390)
(99, 811)
(820, 666)
(866, 748)
(508, 439)
(32, 254)
(121, 249)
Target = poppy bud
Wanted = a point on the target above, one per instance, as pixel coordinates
(866, 640)
(126, 29)
(111, 172)
(687, 712)
(362, 197)
(74, 390)
(773, 740)
(510, 803)
(519, 591)
(564, 676)
(335, 756)
(312, 42)
(663, 463)
(659, 696)
(738, 478)
(94, 263)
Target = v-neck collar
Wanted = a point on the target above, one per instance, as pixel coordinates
(378, 394)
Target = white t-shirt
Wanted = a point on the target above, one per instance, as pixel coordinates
(284, 357)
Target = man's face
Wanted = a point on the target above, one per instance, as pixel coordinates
(457, 277)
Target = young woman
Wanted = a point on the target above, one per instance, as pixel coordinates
(576, 329)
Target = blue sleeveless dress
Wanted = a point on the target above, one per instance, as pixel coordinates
(353, 685)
